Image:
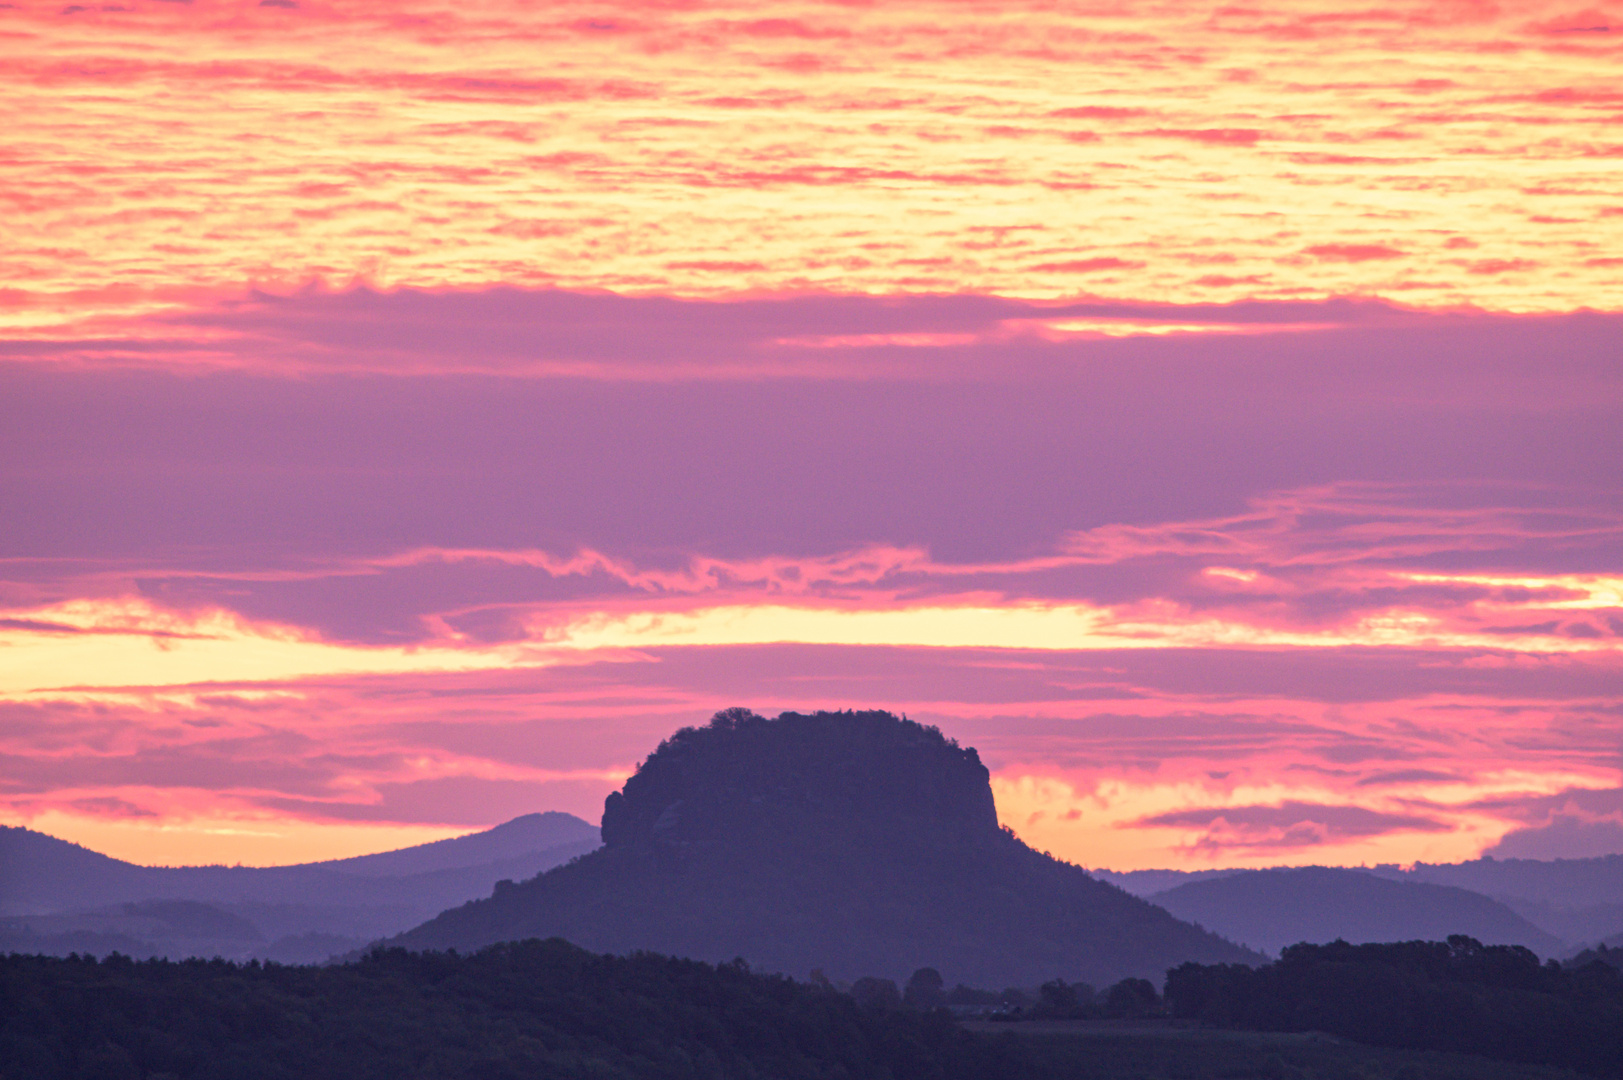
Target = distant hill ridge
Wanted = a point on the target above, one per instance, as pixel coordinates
(39, 873)
(531, 832)
(1578, 901)
(57, 897)
(857, 843)
(1270, 909)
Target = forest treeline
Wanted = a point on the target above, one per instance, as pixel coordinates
(549, 1009)
(1496, 1001)
(525, 1009)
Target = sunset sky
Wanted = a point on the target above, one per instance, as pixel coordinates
(410, 413)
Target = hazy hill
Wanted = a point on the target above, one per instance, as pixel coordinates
(57, 897)
(1269, 909)
(41, 874)
(1577, 900)
(1580, 900)
(1578, 882)
(855, 843)
(1147, 883)
(510, 840)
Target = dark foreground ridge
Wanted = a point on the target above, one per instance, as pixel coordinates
(852, 843)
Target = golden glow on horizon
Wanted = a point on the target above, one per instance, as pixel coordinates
(1019, 625)
(1052, 329)
(246, 840)
(1594, 590)
(298, 733)
(1105, 827)
(89, 644)
(1091, 814)
(96, 643)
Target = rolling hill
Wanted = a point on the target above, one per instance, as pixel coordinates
(1269, 909)
(1578, 900)
(57, 897)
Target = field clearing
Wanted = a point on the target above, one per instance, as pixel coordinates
(1170, 1050)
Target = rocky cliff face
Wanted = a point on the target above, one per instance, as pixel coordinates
(856, 843)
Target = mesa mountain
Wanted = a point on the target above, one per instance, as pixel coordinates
(57, 897)
(853, 843)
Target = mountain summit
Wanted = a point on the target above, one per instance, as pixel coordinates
(856, 843)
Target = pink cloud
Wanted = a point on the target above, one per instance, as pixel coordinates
(1086, 266)
(1354, 252)
(1212, 136)
(1501, 266)
(1287, 826)
(1097, 112)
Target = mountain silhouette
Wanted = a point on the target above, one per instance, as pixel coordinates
(57, 897)
(853, 843)
(1269, 909)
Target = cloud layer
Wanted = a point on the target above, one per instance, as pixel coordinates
(1461, 153)
(1238, 584)
(410, 412)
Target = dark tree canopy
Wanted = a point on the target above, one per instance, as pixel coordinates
(545, 1009)
(925, 989)
(530, 1009)
(1460, 995)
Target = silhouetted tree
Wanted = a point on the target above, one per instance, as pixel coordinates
(728, 719)
(925, 989)
(1057, 999)
(969, 995)
(875, 993)
(1131, 998)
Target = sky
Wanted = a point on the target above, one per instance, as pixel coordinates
(411, 413)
